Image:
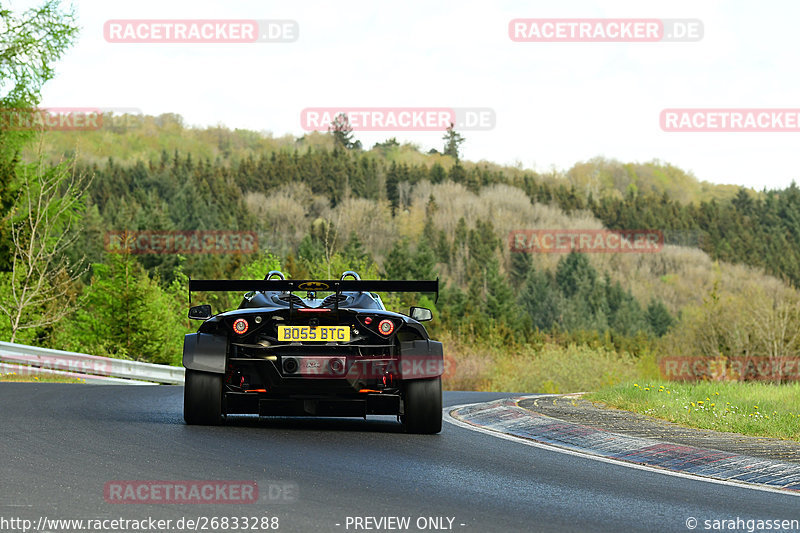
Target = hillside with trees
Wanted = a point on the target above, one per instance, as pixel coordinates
(723, 286)
(322, 204)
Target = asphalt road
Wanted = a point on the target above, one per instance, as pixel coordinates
(62, 443)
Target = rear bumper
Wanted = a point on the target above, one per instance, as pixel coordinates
(287, 375)
(365, 404)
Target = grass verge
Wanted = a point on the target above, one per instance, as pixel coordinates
(27, 378)
(756, 409)
(548, 367)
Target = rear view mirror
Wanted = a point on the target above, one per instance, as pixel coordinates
(200, 312)
(420, 314)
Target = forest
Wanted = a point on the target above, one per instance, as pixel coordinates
(321, 204)
(724, 286)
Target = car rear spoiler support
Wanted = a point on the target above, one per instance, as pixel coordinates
(337, 286)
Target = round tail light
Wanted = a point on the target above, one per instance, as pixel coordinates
(386, 327)
(240, 326)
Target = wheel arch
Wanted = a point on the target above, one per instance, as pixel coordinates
(205, 352)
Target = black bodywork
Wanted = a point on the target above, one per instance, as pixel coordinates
(264, 375)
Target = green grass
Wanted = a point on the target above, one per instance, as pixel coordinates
(543, 367)
(27, 378)
(756, 409)
(558, 369)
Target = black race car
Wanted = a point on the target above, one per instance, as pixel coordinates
(342, 354)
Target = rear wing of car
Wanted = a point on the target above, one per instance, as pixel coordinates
(337, 286)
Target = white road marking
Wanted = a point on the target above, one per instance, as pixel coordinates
(588, 455)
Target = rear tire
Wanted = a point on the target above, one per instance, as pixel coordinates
(202, 398)
(422, 406)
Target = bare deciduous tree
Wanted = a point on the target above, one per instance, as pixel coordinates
(776, 318)
(39, 288)
(329, 240)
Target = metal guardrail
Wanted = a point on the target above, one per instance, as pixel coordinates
(17, 357)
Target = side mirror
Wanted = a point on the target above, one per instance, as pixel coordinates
(200, 312)
(420, 314)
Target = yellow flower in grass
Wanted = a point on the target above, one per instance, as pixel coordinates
(699, 402)
(647, 388)
(713, 404)
(755, 407)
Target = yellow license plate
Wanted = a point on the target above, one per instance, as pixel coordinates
(319, 333)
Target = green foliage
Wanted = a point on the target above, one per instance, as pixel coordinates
(343, 132)
(575, 274)
(154, 173)
(521, 267)
(355, 253)
(560, 369)
(128, 315)
(29, 47)
(261, 265)
(222, 177)
(542, 300)
(452, 142)
(659, 318)
(757, 409)
(403, 263)
(437, 173)
(398, 263)
(576, 299)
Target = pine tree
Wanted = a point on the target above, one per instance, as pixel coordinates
(452, 142)
(127, 315)
(398, 263)
(343, 132)
(541, 299)
(521, 266)
(437, 173)
(659, 318)
(457, 173)
(572, 270)
(423, 265)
